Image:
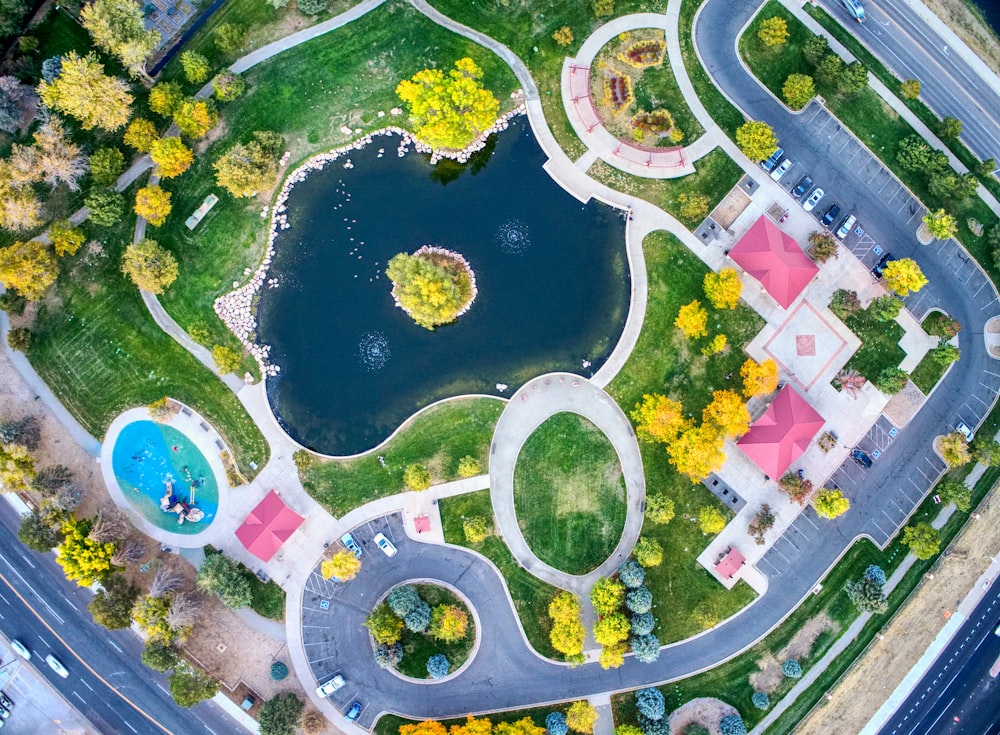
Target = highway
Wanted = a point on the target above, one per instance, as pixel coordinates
(912, 49)
(107, 682)
(957, 694)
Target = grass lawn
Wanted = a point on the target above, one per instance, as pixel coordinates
(342, 78)
(657, 89)
(772, 64)
(438, 438)
(716, 174)
(879, 345)
(531, 595)
(268, 597)
(927, 373)
(688, 598)
(721, 109)
(418, 647)
(569, 494)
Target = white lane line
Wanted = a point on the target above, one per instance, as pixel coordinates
(79, 697)
(84, 682)
(4, 599)
(29, 561)
(44, 641)
(115, 645)
(209, 729)
(129, 726)
(162, 687)
(70, 603)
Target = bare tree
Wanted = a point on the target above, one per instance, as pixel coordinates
(51, 478)
(313, 723)
(110, 526)
(128, 552)
(66, 497)
(184, 610)
(165, 580)
(851, 382)
(22, 166)
(60, 160)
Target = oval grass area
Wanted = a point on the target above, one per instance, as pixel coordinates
(569, 494)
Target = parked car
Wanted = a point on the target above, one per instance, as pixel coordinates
(856, 9)
(20, 649)
(4, 712)
(329, 687)
(768, 163)
(354, 712)
(385, 544)
(879, 268)
(813, 200)
(831, 214)
(861, 458)
(5, 701)
(56, 665)
(802, 187)
(846, 226)
(348, 540)
(963, 428)
(781, 169)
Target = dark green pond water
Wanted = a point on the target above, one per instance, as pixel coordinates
(552, 276)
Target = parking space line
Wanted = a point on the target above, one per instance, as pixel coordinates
(891, 519)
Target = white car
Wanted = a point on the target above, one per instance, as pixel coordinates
(810, 203)
(963, 428)
(385, 544)
(781, 169)
(20, 649)
(329, 687)
(56, 665)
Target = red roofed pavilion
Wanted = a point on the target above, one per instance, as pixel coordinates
(268, 526)
(782, 434)
(774, 259)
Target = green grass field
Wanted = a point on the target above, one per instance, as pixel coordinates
(664, 362)
(418, 647)
(656, 89)
(927, 373)
(569, 494)
(438, 438)
(879, 345)
(268, 597)
(531, 595)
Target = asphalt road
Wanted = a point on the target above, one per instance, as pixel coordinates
(107, 682)
(957, 694)
(912, 49)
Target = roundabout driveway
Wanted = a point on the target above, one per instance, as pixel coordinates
(536, 401)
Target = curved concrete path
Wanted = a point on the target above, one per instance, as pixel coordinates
(532, 404)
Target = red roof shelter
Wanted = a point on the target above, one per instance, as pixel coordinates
(730, 564)
(422, 523)
(774, 259)
(782, 434)
(268, 526)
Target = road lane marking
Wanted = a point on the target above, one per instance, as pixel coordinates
(129, 726)
(75, 694)
(29, 561)
(84, 682)
(44, 641)
(71, 603)
(115, 646)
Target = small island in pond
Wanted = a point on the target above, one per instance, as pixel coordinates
(434, 286)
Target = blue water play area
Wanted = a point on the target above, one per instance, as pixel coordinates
(166, 477)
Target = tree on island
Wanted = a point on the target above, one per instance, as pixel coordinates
(449, 111)
(433, 286)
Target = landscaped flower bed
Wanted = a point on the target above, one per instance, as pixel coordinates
(644, 53)
(657, 121)
(618, 91)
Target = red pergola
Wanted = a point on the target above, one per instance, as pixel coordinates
(268, 526)
(774, 259)
(782, 434)
(730, 564)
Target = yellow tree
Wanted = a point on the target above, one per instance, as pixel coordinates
(449, 623)
(140, 134)
(955, 450)
(658, 418)
(613, 656)
(194, 118)
(940, 224)
(711, 521)
(697, 452)
(343, 566)
(83, 560)
(648, 552)
(759, 378)
(606, 595)
(904, 276)
(118, 27)
(757, 140)
(581, 716)
(692, 320)
(171, 156)
(723, 289)
(427, 727)
(82, 90)
(728, 412)
(17, 468)
(525, 726)
(165, 98)
(798, 90)
(773, 31)
(153, 204)
(150, 266)
(449, 111)
(830, 503)
(567, 632)
(383, 624)
(66, 239)
(244, 170)
(611, 629)
(472, 726)
(29, 268)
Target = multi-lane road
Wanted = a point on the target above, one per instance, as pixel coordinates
(107, 681)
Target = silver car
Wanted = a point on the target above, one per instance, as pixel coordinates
(56, 665)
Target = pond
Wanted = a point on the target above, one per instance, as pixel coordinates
(552, 276)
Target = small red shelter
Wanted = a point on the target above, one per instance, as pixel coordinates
(774, 259)
(782, 434)
(268, 526)
(730, 564)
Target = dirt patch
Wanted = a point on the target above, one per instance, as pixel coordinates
(770, 676)
(705, 711)
(904, 405)
(968, 25)
(867, 684)
(730, 208)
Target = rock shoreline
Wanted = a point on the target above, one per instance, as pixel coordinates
(237, 308)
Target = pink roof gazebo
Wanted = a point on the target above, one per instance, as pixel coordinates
(268, 526)
(422, 523)
(774, 259)
(730, 564)
(782, 434)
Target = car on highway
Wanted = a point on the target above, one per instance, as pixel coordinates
(4, 712)
(56, 665)
(348, 540)
(814, 199)
(831, 214)
(781, 169)
(768, 163)
(802, 187)
(5, 700)
(963, 428)
(879, 268)
(856, 9)
(846, 225)
(20, 649)
(329, 687)
(386, 545)
(861, 458)
(354, 712)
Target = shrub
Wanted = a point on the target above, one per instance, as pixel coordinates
(631, 574)
(469, 466)
(279, 670)
(639, 600)
(891, 381)
(792, 669)
(642, 623)
(388, 654)
(403, 600)
(876, 574)
(650, 703)
(311, 7)
(19, 338)
(603, 8)
(418, 618)
(438, 666)
(475, 529)
(732, 725)
(159, 656)
(646, 648)
(555, 724)
(563, 36)
(281, 715)
(844, 303)
(648, 552)
(711, 521)
(417, 477)
(885, 308)
(694, 728)
(910, 89)
(654, 727)
(773, 31)
(760, 700)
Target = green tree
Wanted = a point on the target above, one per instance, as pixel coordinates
(106, 165)
(245, 170)
(659, 508)
(607, 595)
(831, 503)
(853, 79)
(112, 606)
(152, 203)
(165, 98)
(383, 624)
(29, 268)
(83, 91)
(189, 685)
(940, 224)
(945, 354)
(150, 266)
(603, 8)
(226, 359)
(867, 596)
(985, 168)
(118, 27)
(986, 451)
(923, 540)
(222, 576)
(955, 449)
(910, 89)
(829, 70)
(417, 477)
(83, 561)
(229, 38)
(798, 90)
(914, 154)
(343, 566)
(449, 111)
(281, 715)
(648, 552)
(41, 531)
(195, 66)
(12, 14)
(885, 308)
(432, 289)
(950, 127)
(953, 491)
(891, 380)
(159, 656)
(228, 86)
(711, 521)
(773, 31)
(814, 49)
(757, 140)
(106, 206)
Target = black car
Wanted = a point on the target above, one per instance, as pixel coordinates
(5, 701)
(879, 268)
(861, 458)
(831, 214)
(802, 187)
